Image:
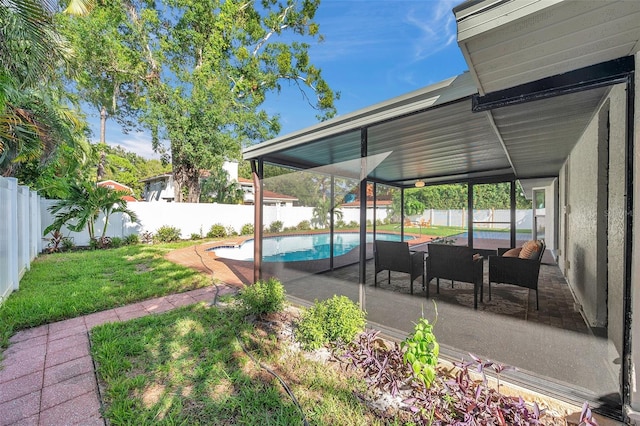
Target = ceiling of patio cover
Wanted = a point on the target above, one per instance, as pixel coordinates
(432, 134)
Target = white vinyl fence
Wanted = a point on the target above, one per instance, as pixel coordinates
(20, 233)
(24, 216)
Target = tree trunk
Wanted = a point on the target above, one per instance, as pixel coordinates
(100, 171)
(103, 124)
(194, 188)
(186, 178)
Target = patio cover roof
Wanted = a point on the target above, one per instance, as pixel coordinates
(432, 134)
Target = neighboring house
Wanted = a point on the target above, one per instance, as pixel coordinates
(269, 198)
(161, 188)
(118, 187)
(158, 188)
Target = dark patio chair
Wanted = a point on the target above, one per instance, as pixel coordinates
(516, 270)
(455, 263)
(395, 256)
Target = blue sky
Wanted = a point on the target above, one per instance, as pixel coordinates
(373, 50)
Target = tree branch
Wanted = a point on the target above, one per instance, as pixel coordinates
(273, 30)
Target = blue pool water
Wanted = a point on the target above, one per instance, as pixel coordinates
(292, 248)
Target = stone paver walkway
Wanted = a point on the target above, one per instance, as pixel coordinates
(47, 376)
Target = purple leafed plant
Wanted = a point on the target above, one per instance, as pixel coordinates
(454, 397)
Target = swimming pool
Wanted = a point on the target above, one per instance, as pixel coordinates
(292, 248)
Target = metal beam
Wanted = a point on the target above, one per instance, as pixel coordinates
(591, 77)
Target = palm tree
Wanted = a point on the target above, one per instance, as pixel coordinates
(322, 213)
(83, 207)
(33, 121)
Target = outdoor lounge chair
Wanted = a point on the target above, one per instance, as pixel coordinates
(517, 266)
(456, 263)
(395, 256)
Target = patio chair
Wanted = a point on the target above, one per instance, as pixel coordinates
(520, 266)
(455, 263)
(395, 256)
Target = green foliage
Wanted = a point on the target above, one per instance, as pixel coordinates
(421, 352)
(263, 297)
(247, 229)
(217, 231)
(231, 231)
(126, 167)
(454, 196)
(167, 234)
(94, 244)
(331, 320)
(195, 237)
(36, 121)
(84, 204)
(67, 244)
(275, 227)
(201, 88)
(304, 225)
(322, 213)
(217, 188)
(116, 242)
(131, 239)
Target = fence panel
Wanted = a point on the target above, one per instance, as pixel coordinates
(20, 230)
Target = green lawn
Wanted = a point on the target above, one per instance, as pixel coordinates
(187, 367)
(65, 285)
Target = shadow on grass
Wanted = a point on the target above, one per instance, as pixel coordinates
(187, 367)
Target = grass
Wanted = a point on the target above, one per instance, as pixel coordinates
(65, 285)
(187, 367)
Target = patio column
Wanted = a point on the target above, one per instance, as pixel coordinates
(375, 207)
(363, 220)
(257, 172)
(332, 205)
(402, 214)
(512, 194)
(470, 214)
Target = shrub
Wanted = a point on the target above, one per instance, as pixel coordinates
(304, 225)
(247, 229)
(353, 224)
(275, 226)
(67, 243)
(195, 236)
(263, 297)
(231, 231)
(132, 239)
(115, 242)
(217, 231)
(335, 319)
(93, 244)
(100, 243)
(167, 234)
(146, 237)
(340, 224)
(421, 352)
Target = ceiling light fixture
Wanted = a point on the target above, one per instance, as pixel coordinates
(419, 183)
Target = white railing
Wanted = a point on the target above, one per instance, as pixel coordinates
(20, 233)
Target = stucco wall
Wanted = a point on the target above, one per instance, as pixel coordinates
(584, 191)
(616, 216)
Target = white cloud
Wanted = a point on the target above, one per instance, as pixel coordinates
(437, 26)
(138, 142)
